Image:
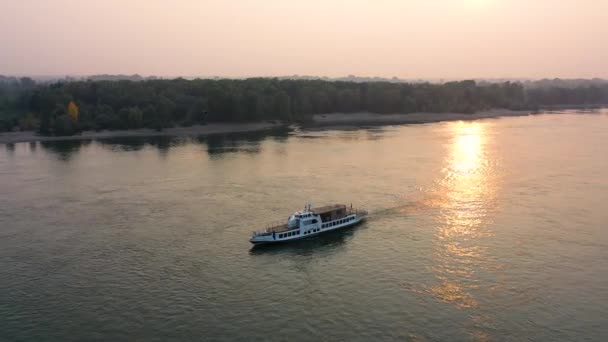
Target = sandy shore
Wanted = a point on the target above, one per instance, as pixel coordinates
(197, 130)
(332, 119)
(355, 119)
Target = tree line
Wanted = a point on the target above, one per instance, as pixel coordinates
(63, 108)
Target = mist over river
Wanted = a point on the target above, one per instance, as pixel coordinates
(493, 229)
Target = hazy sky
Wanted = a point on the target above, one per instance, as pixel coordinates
(403, 38)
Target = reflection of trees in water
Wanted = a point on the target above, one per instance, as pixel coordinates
(10, 148)
(359, 133)
(163, 143)
(248, 142)
(64, 149)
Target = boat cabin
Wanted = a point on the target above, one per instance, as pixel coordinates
(310, 221)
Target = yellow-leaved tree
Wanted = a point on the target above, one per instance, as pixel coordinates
(73, 111)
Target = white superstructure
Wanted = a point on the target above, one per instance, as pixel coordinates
(310, 222)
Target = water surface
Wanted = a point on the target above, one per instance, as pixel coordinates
(481, 230)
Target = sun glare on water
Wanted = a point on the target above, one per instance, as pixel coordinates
(467, 192)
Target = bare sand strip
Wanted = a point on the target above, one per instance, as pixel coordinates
(331, 119)
(364, 118)
(196, 130)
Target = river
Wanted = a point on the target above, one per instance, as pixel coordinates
(494, 229)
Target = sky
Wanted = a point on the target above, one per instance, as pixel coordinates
(410, 39)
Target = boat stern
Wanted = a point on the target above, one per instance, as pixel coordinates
(261, 238)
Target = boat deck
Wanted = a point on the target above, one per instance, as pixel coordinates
(279, 227)
(327, 208)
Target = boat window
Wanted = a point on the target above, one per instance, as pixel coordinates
(314, 221)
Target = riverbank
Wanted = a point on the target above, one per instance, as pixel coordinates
(196, 130)
(365, 118)
(319, 120)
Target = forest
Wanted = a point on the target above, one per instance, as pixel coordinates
(68, 107)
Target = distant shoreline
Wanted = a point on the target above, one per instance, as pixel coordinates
(196, 130)
(319, 120)
(365, 118)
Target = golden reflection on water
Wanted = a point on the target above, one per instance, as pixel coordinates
(465, 196)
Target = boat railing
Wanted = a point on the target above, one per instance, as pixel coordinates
(279, 226)
(271, 227)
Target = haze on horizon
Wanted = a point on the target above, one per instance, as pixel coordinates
(402, 38)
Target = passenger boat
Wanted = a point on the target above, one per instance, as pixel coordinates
(310, 222)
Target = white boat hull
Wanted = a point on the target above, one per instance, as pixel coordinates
(308, 231)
